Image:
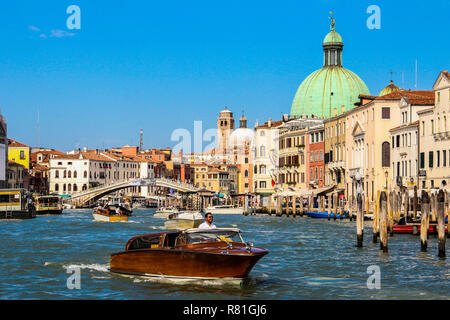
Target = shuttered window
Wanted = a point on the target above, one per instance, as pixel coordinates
(385, 154)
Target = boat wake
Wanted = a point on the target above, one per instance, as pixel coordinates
(96, 267)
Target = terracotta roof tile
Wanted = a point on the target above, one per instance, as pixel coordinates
(274, 124)
(16, 144)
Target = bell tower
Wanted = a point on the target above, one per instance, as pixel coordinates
(225, 126)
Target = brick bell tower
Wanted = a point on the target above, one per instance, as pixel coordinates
(225, 126)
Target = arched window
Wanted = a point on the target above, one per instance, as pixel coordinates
(70, 174)
(69, 187)
(84, 187)
(57, 174)
(65, 174)
(262, 151)
(262, 169)
(85, 174)
(75, 174)
(385, 154)
(56, 187)
(246, 173)
(75, 188)
(64, 187)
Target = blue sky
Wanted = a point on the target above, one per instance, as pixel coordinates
(161, 65)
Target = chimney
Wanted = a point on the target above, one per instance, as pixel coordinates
(342, 109)
(334, 112)
(269, 122)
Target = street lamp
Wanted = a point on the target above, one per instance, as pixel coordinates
(386, 174)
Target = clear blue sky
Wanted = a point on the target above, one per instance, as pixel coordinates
(161, 65)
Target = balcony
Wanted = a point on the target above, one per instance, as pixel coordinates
(352, 172)
(439, 136)
(336, 165)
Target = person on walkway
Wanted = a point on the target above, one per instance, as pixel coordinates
(208, 224)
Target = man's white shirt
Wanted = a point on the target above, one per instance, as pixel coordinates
(205, 225)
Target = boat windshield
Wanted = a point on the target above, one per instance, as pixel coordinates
(213, 236)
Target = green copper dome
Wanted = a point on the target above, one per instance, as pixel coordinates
(389, 89)
(330, 87)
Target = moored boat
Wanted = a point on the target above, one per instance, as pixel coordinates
(108, 215)
(324, 215)
(13, 205)
(164, 212)
(411, 226)
(224, 209)
(48, 205)
(190, 254)
(184, 220)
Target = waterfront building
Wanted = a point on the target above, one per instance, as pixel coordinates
(241, 153)
(266, 161)
(368, 138)
(316, 159)
(335, 152)
(3, 152)
(17, 175)
(331, 86)
(71, 173)
(19, 153)
(405, 141)
(434, 137)
(293, 154)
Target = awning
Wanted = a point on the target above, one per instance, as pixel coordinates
(319, 191)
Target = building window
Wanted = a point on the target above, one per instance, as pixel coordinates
(262, 169)
(430, 159)
(385, 113)
(385, 154)
(262, 184)
(22, 154)
(57, 174)
(444, 158)
(56, 187)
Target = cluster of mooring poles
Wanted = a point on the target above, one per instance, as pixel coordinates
(387, 215)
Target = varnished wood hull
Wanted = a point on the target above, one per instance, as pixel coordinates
(175, 263)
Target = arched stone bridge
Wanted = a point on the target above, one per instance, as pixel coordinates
(83, 198)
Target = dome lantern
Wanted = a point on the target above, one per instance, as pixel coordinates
(330, 87)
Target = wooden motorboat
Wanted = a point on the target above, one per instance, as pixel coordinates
(13, 205)
(48, 205)
(165, 212)
(189, 254)
(108, 215)
(225, 209)
(184, 220)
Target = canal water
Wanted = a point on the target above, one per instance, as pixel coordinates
(308, 259)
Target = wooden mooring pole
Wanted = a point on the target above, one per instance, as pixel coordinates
(425, 210)
(329, 207)
(376, 218)
(440, 199)
(415, 203)
(383, 222)
(334, 206)
(359, 221)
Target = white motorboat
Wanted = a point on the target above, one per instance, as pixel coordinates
(184, 220)
(164, 212)
(224, 209)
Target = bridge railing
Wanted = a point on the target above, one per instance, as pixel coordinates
(91, 190)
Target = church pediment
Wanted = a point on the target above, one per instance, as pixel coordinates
(358, 129)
